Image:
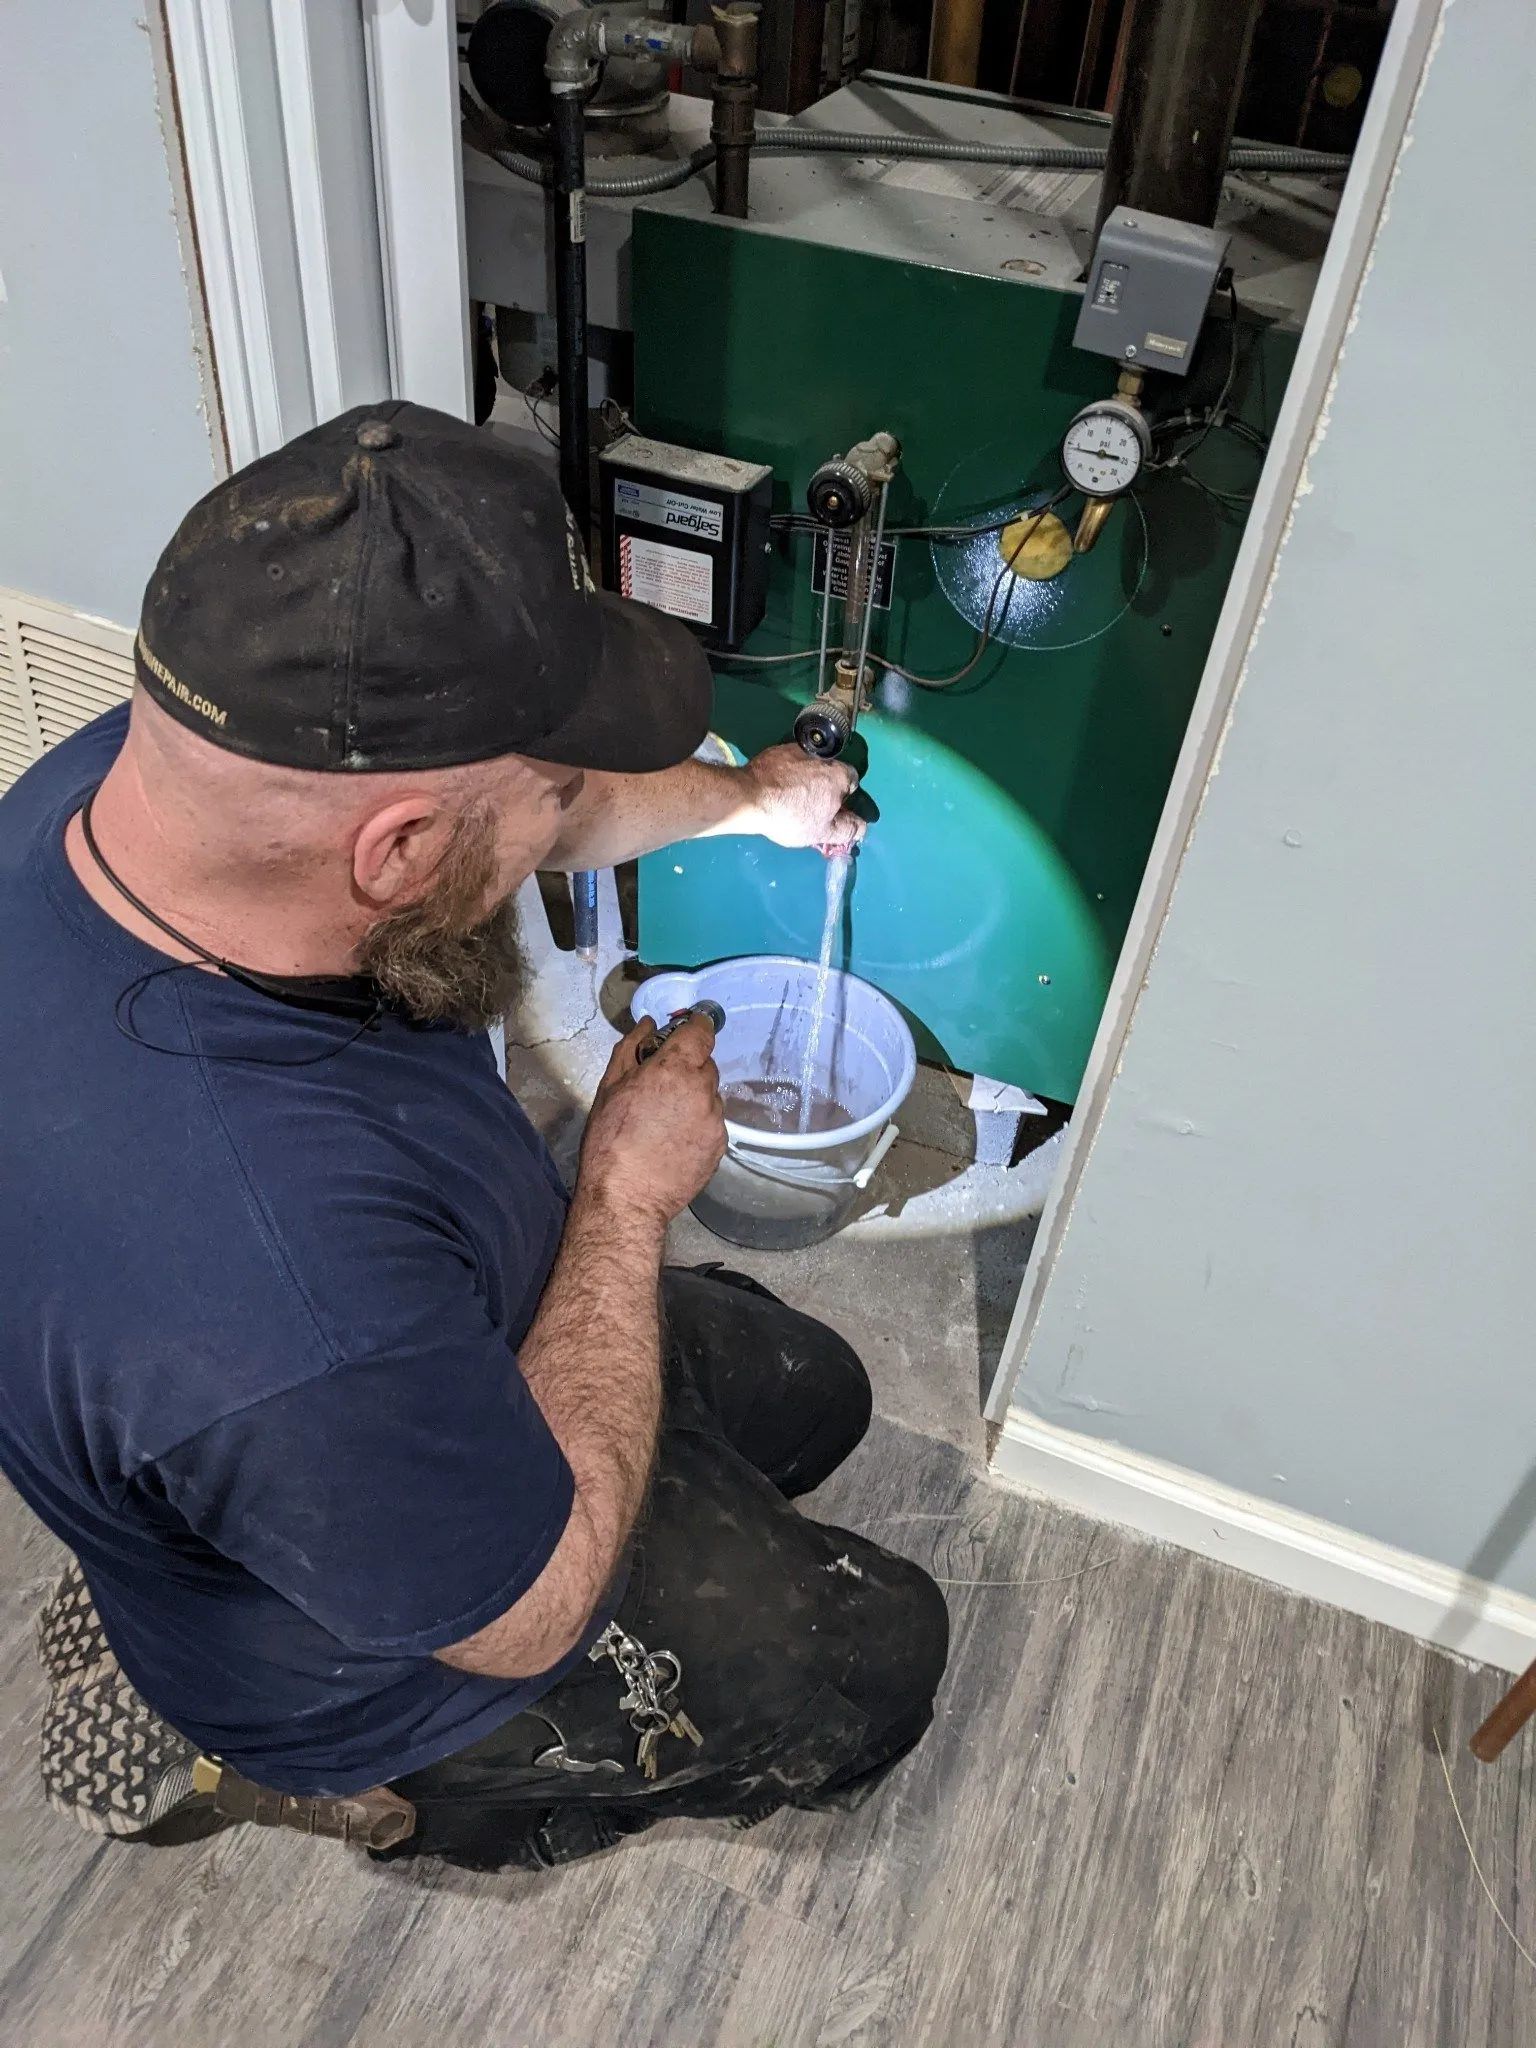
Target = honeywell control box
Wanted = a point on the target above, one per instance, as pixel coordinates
(688, 533)
(1149, 288)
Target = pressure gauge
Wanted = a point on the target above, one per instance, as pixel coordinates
(1105, 448)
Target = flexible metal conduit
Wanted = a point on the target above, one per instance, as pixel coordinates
(838, 142)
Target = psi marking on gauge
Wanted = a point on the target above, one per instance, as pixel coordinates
(1105, 448)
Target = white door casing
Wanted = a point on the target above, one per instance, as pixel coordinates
(273, 103)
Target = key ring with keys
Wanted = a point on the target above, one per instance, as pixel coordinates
(652, 1679)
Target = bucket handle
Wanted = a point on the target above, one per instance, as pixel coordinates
(859, 1179)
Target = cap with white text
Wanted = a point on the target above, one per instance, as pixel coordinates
(396, 589)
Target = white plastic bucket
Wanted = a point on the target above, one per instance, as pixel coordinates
(777, 1190)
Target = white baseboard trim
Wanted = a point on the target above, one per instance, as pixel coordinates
(1298, 1552)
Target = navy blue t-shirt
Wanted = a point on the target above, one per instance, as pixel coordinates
(259, 1330)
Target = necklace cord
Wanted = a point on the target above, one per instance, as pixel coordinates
(123, 1007)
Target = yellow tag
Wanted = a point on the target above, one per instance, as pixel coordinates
(1035, 546)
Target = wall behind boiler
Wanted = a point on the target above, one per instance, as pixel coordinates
(103, 436)
(1302, 1259)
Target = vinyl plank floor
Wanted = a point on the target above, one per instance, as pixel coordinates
(1162, 1806)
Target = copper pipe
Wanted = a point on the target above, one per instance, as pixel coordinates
(954, 50)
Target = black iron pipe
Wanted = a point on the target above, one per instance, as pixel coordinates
(731, 133)
(567, 129)
(733, 92)
(1182, 77)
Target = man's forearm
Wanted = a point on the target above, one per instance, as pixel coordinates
(618, 817)
(592, 1361)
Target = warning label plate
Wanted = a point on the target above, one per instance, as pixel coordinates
(676, 580)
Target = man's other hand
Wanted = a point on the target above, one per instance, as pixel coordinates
(657, 1129)
(798, 801)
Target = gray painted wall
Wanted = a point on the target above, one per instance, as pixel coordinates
(103, 443)
(1302, 1259)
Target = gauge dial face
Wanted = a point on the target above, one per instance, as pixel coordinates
(1104, 448)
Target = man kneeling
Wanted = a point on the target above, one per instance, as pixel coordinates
(386, 1462)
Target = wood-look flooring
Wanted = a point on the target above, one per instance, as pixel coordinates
(1163, 1807)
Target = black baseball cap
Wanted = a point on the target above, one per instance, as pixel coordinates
(396, 589)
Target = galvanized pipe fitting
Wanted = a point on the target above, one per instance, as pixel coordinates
(581, 39)
(726, 47)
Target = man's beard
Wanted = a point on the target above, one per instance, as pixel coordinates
(439, 958)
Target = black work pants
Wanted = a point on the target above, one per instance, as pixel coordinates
(809, 1655)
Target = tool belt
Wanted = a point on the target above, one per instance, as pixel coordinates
(375, 1819)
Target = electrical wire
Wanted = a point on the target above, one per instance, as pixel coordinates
(615, 418)
(990, 623)
(1476, 1866)
(1213, 413)
(1177, 464)
(765, 660)
(953, 533)
(533, 403)
(1217, 411)
(801, 522)
(1231, 424)
(1225, 501)
(1083, 639)
(1211, 419)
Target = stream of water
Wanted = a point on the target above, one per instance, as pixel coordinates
(838, 867)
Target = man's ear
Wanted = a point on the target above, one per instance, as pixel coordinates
(397, 848)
